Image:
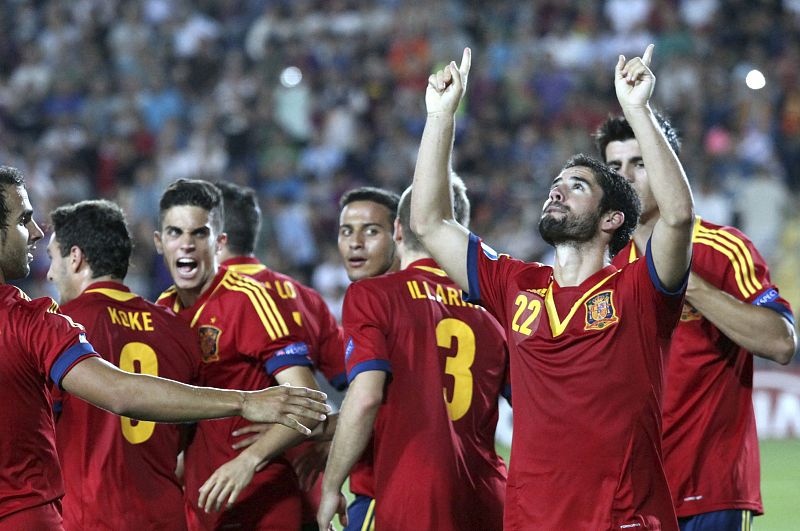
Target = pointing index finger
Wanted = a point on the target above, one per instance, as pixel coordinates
(648, 54)
(466, 63)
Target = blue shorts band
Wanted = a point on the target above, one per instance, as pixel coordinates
(361, 514)
(729, 520)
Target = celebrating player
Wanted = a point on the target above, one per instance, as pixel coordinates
(89, 254)
(411, 338)
(732, 311)
(43, 348)
(248, 339)
(587, 339)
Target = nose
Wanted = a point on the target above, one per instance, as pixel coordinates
(626, 171)
(356, 241)
(555, 194)
(34, 232)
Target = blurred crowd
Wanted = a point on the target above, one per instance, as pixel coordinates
(304, 99)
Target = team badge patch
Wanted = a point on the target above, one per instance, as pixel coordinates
(209, 343)
(690, 313)
(600, 312)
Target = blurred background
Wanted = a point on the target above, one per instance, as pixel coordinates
(304, 99)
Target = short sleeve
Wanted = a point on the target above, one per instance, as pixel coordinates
(364, 318)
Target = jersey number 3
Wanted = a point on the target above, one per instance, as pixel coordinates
(457, 366)
(138, 431)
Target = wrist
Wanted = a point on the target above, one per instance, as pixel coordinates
(441, 115)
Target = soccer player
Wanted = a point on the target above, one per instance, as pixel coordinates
(366, 228)
(43, 348)
(366, 245)
(99, 452)
(732, 311)
(242, 225)
(587, 340)
(411, 340)
(248, 339)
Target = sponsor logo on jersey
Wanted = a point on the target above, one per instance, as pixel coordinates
(209, 343)
(690, 313)
(349, 349)
(600, 312)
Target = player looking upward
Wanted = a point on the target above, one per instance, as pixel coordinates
(587, 340)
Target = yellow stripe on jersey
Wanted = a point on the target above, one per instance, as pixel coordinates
(557, 326)
(739, 255)
(369, 518)
(247, 269)
(262, 302)
(269, 303)
(116, 294)
(53, 308)
(434, 270)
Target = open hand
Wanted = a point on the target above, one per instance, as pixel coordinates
(226, 483)
(284, 404)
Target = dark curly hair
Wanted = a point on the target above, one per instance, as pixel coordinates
(98, 228)
(618, 195)
(617, 128)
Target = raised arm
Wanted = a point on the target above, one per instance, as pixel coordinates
(432, 218)
(671, 242)
(146, 397)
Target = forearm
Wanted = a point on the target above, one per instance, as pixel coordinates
(668, 182)
(761, 331)
(273, 443)
(431, 203)
(353, 433)
(146, 397)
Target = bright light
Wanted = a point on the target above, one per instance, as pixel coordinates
(755, 80)
(292, 76)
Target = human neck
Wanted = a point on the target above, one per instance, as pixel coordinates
(88, 281)
(575, 262)
(408, 257)
(644, 230)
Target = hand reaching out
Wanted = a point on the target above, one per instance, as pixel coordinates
(447, 86)
(283, 404)
(633, 80)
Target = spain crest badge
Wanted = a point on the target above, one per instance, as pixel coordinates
(600, 312)
(209, 342)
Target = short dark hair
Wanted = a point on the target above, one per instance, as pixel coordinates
(617, 128)
(194, 192)
(99, 229)
(377, 195)
(461, 209)
(242, 217)
(8, 177)
(618, 194)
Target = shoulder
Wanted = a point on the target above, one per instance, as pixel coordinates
(711, 235)
(167, 297)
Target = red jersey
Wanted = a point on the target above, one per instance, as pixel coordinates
(126, 468)
(38, 346)
(435, 464)
(586, 370)
(323, 335)
(710, 442)
(245, 340)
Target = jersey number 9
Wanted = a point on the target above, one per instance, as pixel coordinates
(138, 431)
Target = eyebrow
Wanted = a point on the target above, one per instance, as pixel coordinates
(578, 178)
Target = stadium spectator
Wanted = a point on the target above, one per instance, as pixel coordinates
(732, 311)
(587, 340)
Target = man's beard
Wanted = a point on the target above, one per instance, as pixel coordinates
(568, 229)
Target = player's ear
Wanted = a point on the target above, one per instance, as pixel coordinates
(612, 220)
(222, 239)
(398, 231)
(157, 242)
(76, 258)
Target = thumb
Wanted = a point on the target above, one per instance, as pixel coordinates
(620, 65)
